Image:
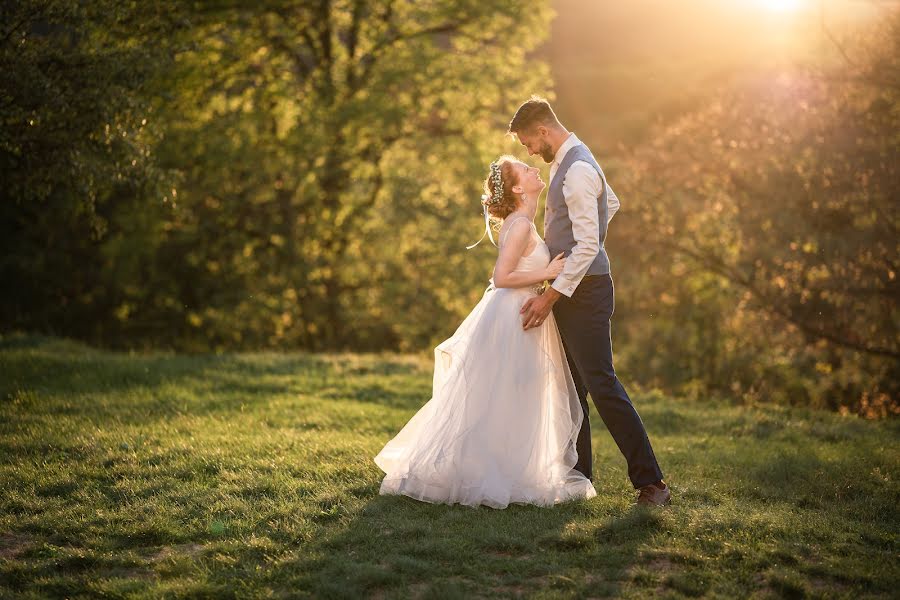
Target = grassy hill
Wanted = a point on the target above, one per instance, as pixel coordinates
(251, 475)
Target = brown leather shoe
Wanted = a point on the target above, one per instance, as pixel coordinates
(650, 495)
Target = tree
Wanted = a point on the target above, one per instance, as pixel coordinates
(785, 194)
(282, 174)
(329, 150)
(74, 141)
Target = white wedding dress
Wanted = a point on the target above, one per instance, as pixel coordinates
(504, 415)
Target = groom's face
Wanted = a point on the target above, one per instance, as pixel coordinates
(536, 143)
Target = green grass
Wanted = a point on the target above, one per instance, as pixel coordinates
(251, 476)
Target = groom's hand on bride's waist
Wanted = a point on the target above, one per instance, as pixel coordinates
(536, 309)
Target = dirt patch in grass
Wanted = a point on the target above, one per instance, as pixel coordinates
(821, 586)
(190, 550)
(761, 585)
(511, 591)
(662, 565)
(526, 587)
(652, 570)
(657, 564)
(14, 544)
(509, 554)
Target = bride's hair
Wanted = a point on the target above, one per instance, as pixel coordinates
(501, 202)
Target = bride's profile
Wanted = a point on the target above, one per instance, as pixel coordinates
(504, 415)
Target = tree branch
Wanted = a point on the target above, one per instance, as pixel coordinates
(772, 306)
(304, 62)
(831, 37)
(25, 19)
(369, 59)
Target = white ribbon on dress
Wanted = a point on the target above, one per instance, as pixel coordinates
(487, 226)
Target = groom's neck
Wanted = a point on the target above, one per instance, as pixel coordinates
(558, 136)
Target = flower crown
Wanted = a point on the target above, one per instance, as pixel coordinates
(497, 184)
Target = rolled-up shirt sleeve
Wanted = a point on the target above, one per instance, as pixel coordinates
(581, 190)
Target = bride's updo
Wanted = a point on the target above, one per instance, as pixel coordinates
(500, 199)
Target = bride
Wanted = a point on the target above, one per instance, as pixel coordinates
(504, 416)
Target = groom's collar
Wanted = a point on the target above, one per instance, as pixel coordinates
(567, 145)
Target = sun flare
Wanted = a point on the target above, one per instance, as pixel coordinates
(781, 5)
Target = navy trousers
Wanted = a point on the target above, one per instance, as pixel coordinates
(584, 324)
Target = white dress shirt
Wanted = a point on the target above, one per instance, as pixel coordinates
(582, 188)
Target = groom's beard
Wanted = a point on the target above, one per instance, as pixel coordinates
(546, 153)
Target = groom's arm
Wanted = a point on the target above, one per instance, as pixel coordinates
(581, 189)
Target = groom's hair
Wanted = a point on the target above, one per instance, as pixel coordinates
(535, 111)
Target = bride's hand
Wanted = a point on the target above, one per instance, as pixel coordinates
(556, 266)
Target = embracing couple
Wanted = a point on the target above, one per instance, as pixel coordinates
(508, 418)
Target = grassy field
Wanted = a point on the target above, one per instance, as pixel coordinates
(252, 476)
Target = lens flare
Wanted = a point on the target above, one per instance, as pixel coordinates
(781, 5)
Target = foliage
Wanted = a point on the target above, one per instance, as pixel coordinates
(322, 163)
(769, 237)
(76, 142)
(251, 475)
(330, 154)
(305, 174)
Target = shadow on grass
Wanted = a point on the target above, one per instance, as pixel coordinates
(54, 376)
(218, 522)
(849, 484)
(51, 376)
(399, 547)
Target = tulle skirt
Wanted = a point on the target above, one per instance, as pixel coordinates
(503, 419)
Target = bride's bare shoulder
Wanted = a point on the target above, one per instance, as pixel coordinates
(516, 226)
(516, 222)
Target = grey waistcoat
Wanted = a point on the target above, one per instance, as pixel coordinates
(557, 226)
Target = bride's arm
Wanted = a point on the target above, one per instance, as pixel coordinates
(505, 275)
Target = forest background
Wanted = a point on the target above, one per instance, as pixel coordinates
(216, 176)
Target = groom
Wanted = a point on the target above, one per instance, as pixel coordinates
(579, 207)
